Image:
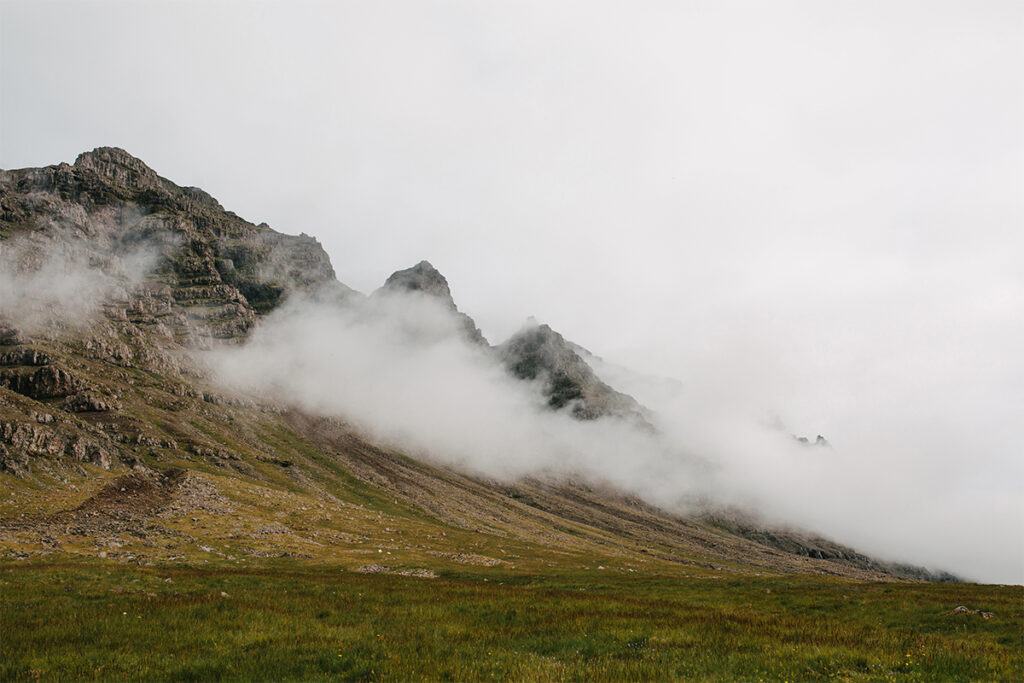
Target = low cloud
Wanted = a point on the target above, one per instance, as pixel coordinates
(398, 369)
(48, 284)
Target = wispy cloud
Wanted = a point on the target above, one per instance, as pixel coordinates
(49, 282)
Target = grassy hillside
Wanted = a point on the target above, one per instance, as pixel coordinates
(279, 546)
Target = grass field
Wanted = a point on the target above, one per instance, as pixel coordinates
(93, 620)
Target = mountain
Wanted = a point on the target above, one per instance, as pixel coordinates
(116, 443)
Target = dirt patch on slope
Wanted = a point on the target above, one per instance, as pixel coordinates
(133, 494)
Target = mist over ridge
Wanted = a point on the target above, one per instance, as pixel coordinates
(399, 366)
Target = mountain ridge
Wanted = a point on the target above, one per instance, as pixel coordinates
(82, 406)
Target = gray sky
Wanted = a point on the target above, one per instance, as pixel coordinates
(807, 209)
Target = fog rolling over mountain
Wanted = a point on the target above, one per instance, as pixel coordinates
(173, 292)
(402, 368)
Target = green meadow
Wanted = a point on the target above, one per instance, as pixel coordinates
(285, 620)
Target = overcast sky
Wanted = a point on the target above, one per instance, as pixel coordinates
(808, 209)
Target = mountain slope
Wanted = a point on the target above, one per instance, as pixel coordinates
(113, 442)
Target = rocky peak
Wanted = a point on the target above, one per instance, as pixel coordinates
(213, 272)
(118, 166)
(538, 352)
(536, 349)
(423, 277)
(426, 279)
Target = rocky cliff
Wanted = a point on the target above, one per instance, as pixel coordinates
(212, 272)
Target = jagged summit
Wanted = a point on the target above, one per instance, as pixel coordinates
(118, 165)
(538, 352)
(104, 159)
(214, 272)
(423, 277)
(427, 280)
(113, 154)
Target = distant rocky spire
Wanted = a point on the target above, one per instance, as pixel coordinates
(427, 280)
(423, 277)
(538, 352)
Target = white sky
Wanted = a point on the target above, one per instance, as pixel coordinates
(808, 208)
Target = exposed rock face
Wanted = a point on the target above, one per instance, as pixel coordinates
(538, 352)
(88, 402)
(812, 546)
(45, 382)
(168, 270)
(426, 279)
(21, 440)
(24, 356)
(213, 272)
(9, 335)
(422, 277)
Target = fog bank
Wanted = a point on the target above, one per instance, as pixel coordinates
(398, 368)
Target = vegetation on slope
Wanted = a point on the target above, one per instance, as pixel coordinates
(152, 526)
(288, 620)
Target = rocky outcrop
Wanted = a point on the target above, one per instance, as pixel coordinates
(88, 402)
(537, 352)
(42, 383)
(172, 271)
(13, 463)
(426, 280)
(213, 273)
(24, 356)
(22, 439)
(818, 441)
(32, 374)
(9, 334)
(422, 277)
